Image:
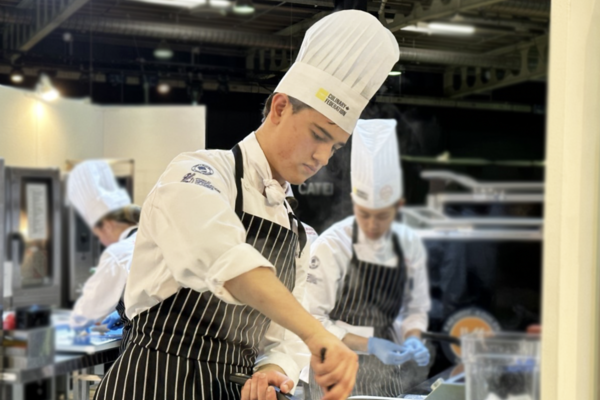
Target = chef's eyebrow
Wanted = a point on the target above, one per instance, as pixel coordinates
(329, 136)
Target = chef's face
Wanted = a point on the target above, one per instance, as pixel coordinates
(303, 141)
(375, 223)
(108, 232)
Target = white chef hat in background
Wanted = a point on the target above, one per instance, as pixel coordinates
(94, 192)
(344, 59)
(375, 164)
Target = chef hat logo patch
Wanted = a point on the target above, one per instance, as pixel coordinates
(361, 194)
(386, 192)
(332, 101)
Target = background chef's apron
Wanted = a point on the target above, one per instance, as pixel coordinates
(371, 295)
(121, 310)
(186, 346)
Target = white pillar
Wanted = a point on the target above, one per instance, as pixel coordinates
(570, 351)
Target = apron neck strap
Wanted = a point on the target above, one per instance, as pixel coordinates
(301, 232)
(239, 174)
(395, 243)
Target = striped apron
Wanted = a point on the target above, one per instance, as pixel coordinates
(371, 295)
(186, 346)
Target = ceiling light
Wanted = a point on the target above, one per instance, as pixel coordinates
(243, 7)
(420, 27)
(219, 3)
(395, 73)
(163, 88)
(163, 51)
(16, 75)
(175, 3)
(451, 28)
(45, 89)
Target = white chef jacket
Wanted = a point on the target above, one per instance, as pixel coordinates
(102, 291)
(331, 254)
(191, 237)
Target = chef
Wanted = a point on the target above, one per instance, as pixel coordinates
(107, 210)
(220, 254)
(368, 279)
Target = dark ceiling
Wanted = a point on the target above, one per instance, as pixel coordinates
(112, 42)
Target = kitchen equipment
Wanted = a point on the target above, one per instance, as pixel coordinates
(501, 365)
(32, 267)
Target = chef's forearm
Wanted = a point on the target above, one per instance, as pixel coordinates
(355, 342)
(413, 332)
(260, 289)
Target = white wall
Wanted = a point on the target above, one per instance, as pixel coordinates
(152, 136)
(38, 134)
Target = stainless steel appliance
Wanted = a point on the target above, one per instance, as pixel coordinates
(32, 227)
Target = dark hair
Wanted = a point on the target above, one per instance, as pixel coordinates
(127, 215)
(297, 105)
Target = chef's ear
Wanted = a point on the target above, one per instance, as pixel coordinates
(278, 105)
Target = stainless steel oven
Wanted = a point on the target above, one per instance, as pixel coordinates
(32, 229)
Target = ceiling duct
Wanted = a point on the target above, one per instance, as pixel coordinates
(523, 8)
(194, 34)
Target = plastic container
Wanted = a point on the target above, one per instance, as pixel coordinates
(501, 366)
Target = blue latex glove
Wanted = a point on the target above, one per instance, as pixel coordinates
(420, 353)
(113, 321)
(388, 352)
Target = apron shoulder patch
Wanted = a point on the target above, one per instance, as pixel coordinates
(310, 278)
(191, 178)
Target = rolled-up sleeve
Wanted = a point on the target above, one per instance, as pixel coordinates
(201, 238)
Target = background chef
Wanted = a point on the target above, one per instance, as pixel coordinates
(368, 279)
(219, 253)
(108, 211)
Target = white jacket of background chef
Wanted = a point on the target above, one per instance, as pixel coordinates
(103, 290)
(205, 243)
(331, 254)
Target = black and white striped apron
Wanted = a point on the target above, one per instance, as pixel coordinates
(186, 346)
(371, 295)
(121, 310)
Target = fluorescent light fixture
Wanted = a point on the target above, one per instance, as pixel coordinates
(163, 51)
(243, 7)
(219, 3)
(451, 28)
(420, 27)
(45, 90)
(175, 3)
(163, 88)
(395, 73)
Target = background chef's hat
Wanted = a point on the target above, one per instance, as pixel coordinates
(94, 192)
(343, 60)
(375, 164)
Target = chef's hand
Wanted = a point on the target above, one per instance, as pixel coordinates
(113, 321)
(335, 367)
(260, 387)
(420, 353)
(388, 352)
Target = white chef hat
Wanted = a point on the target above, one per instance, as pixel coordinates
(94, 192)
(344, 59)
(375, 164)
